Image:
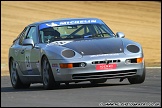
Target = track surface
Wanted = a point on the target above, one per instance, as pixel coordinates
(83, 94)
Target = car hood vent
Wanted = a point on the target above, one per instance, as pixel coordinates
(96, 46)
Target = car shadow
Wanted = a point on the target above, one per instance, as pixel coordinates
(89, 85)
(39, 87)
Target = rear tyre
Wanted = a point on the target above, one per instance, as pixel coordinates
(98, 81)
(138, 79)
(14, 77)
(47, 76)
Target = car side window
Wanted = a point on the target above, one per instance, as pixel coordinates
(22, 35)
(32, 34)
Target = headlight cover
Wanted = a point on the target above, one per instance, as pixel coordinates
(68, 53)
(133, 48)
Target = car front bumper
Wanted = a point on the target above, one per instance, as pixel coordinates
(90, 71)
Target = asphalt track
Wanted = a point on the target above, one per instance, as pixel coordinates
(84, 94)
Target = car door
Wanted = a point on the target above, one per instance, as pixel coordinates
(32, 54)
(19, 51)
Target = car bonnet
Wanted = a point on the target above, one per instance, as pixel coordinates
(96, 46)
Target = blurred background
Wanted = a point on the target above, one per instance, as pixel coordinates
(138, 20)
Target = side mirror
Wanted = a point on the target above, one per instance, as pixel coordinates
(28, 42)
(120, 35)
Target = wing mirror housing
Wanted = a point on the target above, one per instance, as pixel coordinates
(28, 42)
(120, 35)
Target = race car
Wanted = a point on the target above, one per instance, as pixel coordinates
(73, 50)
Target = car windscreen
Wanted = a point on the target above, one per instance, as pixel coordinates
(72, 32)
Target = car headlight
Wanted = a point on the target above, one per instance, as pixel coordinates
(68, 53)
(133, 48)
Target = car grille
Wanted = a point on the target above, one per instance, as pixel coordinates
(108, 75)
(106, 62)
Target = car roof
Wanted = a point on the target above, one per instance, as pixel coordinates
(62, 19)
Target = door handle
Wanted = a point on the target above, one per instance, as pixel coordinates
(22, 52)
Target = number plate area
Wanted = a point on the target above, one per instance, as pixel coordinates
(106, 66)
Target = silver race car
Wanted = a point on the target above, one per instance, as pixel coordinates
(73, 50)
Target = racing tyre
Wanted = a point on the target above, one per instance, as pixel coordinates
(15, 80)
(47, 76)
(98, 81)
(137, 79)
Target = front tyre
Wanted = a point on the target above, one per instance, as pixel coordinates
(138, 79)
(47, 76)
(14, 77)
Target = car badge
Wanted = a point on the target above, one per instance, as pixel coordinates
(107, 61)
(120, 49)
(82, 52)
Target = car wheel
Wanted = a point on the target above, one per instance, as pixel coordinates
(14, 77)
(98, 81)
(47, 76)
(137, 79)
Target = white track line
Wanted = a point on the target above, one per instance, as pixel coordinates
(153, 67)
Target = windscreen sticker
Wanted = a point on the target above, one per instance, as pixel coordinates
(69, 22)
(52, 24)
(77, 22)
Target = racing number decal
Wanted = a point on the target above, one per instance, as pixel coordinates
(27, 61)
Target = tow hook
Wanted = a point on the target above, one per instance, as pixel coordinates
(121, 79)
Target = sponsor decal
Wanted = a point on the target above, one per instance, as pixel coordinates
(102, 55)
(54, 65)
(27, 61)
(59, 43)
(16, 52)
